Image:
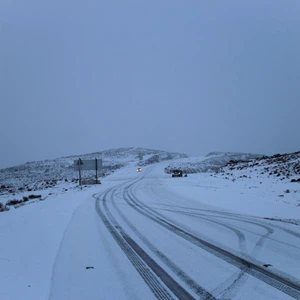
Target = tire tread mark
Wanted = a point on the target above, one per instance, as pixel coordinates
(200, 291)
(158, 290)
(290, 288)
(176, 288)
(180, 292)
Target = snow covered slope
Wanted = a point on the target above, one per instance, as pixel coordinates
(39, 175)
(210, 163)
(283, 167)
(36, 180)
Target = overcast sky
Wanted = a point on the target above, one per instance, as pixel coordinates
(187, 76)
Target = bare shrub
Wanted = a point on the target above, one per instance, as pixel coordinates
(34, 196)
(14, 202)
(3, 207)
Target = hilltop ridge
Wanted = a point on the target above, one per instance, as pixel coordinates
(212, 162)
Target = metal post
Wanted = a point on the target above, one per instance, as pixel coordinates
(96, 161)
(79, 169)
(80, 177)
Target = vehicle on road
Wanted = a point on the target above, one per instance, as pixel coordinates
(177, 173)
(139, 169)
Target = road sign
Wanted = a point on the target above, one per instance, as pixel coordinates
(87, 164)
(78, 162)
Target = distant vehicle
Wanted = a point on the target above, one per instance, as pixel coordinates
(177, 173)
(139, 169)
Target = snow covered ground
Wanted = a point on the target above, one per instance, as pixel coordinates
(40, 175)
(59, 248)
(267, 198)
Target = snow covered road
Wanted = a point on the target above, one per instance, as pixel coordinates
(208, 253)
(149, 236)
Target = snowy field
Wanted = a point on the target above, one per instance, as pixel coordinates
(59, 248)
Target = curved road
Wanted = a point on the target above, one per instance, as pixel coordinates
(177, 248)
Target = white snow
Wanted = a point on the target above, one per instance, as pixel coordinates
(46, 246)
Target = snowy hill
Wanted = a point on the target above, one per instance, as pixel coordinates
(39, 175)
(283, 167)
(211, 162)
(58, 175)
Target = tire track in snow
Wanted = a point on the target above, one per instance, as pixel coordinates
(180, 273)
(277, 281)
(58, 254)
(228, 289)
(142, 262)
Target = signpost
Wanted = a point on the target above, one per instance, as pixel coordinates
(79, 163)
(87, 164)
